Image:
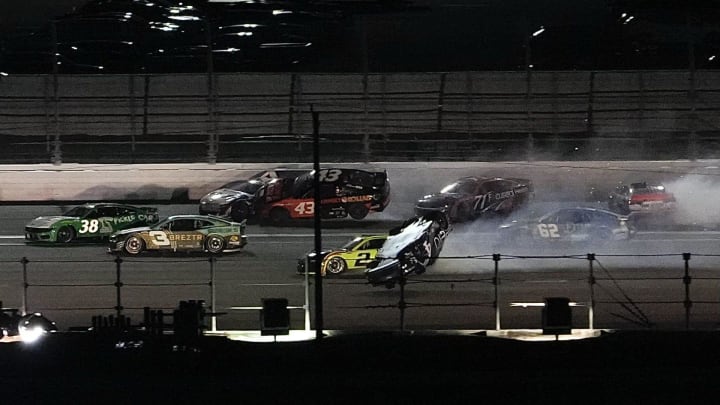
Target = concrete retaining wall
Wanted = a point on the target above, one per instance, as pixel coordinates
(163, 182)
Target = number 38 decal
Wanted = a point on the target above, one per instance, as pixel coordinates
(548, 230)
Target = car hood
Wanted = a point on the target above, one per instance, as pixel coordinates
(437, 200)
(224, 195)
(131, 230)
(46, 222)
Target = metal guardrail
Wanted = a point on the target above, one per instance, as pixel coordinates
(613, 294)
(246, 117)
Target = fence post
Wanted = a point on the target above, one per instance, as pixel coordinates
(118, 286)
(402, 304)
(213, 319)
(591, 284)
(687, 280)
(496, 283)
(24, 262)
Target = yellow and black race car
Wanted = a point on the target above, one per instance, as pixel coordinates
(356, 254)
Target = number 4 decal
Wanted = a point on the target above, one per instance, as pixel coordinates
(548, 230)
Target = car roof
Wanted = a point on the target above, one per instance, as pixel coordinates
(104, 204)
(196, 216)
(591, 209)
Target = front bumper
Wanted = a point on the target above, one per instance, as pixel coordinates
(39, 235)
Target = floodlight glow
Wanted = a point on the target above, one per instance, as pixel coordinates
(31, 335)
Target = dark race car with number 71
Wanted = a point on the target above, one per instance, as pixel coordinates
(87, 222)
(471, 197)
(181, 233)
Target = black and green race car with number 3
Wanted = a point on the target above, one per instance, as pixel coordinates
(181, 233)
(88, 222)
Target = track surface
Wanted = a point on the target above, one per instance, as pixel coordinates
(638, 283)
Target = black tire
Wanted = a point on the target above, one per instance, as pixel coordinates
(65, 234)
(335, 265)
(215, 244)
(239, 212)
(435, 250)
(464, 213)
(601, 236)
(134, 245)
(279, 215)
(358, 211)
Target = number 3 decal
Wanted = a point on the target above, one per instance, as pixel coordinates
(159, 238)
(548, 230)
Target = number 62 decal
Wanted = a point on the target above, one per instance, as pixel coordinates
(548, 230)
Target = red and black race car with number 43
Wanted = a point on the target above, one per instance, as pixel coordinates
(343, 192)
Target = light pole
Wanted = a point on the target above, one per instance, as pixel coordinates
(528, 90)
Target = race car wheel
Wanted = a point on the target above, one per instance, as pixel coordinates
(335, 265)
(239, 212)
(602, 236)
(65, 234)
(464, 213)
(134, 245)
(358, 211)
(279, 215)
(215, 244)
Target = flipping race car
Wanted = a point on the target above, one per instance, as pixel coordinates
(241, 199)
(471, 197)
(356, 254)
(181, 233)
(409, 249)
(343, 192)
(641, 198)
(570, 225)
(88, 221)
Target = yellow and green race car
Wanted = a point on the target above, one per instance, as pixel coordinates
(356, 254)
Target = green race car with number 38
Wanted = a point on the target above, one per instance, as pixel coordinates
(87, 222)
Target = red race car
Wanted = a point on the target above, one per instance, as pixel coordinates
(343, 192)
(641, 198)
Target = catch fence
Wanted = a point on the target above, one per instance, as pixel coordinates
(263, 117)
(500, 292)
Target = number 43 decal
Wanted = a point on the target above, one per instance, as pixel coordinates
(305, 208)
(548, 230)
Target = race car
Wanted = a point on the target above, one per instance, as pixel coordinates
(641, 198)
(343, 192)
(16, 327)
(241, 199)
(569, 225)
(471, 197)
(409, 249)
(181, 233)
(356, 254)
(91, 221)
